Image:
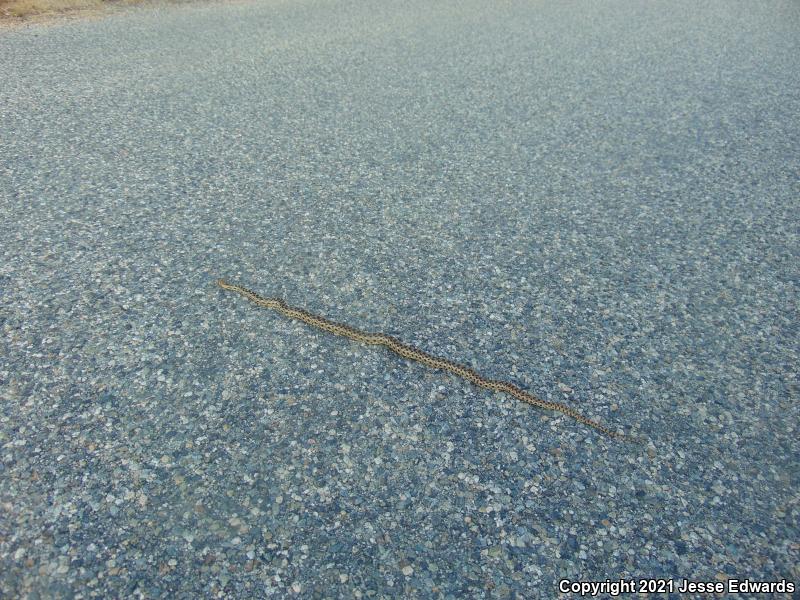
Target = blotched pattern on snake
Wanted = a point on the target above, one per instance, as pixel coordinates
(412, 353)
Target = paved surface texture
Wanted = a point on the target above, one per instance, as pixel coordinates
(597, 201)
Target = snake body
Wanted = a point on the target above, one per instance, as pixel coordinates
(412, 353)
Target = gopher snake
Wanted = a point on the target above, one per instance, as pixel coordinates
(412, 353)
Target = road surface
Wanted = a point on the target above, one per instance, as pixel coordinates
(597, 201)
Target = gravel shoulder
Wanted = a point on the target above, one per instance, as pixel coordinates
(16, 14)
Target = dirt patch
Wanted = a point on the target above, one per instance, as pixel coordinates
(21, 12)
(16, 13)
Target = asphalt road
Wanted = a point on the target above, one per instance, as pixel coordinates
(597, 201)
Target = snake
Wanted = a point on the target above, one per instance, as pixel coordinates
(412, 353)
